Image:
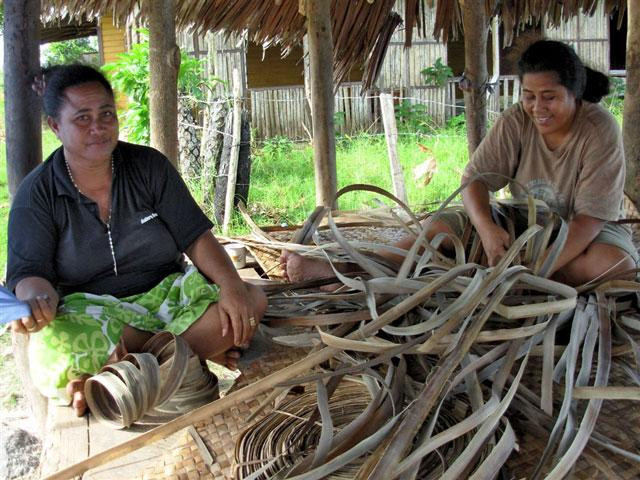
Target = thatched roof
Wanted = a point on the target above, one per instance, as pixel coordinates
(55, 32)
(361, 28)
(516, 14)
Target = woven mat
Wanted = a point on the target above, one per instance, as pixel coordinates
(619, 420)
(220, 432)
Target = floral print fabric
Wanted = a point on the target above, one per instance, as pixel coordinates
(88, 327)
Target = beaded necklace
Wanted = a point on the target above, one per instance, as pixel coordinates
(108, 222)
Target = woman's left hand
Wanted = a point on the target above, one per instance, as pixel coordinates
(235, 310)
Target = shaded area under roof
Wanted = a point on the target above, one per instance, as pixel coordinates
(60, 31)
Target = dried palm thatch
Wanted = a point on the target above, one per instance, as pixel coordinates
(516, 14)
(361, 30)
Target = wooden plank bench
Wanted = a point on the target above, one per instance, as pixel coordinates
(70, 439)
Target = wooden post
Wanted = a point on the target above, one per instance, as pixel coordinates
(495, 67)
(23, 131)
(474, 22)
(321, 66)
(235, 150)
(631, 118)
(391, 135)
(22, 120)
(164, 62)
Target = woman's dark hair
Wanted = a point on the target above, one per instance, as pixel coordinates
(60, 77)
(551, 56)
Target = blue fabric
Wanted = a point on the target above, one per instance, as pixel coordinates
(11, 308)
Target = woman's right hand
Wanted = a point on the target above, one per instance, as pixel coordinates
(495, 241)
(43, 301)
(43, 311)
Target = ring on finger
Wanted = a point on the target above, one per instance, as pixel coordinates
(32, 328)
(252, 321)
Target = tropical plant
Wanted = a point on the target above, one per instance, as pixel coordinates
(413, 118)
(457, 123)
(83, 50)
(437, 74)
(130, 75)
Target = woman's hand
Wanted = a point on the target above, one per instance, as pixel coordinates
(235, 306)
(495, 241)
(43, 311)
(43, 301)
(235, 310)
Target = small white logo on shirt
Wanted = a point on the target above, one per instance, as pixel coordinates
(148, 217)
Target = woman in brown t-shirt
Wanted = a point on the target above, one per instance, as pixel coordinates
(565, 149)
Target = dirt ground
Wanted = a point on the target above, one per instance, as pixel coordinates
(20, 445)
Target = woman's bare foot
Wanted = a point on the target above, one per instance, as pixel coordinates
(299, 269)
(228, 359)
(75, 390)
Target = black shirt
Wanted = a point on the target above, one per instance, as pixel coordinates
(56, 233)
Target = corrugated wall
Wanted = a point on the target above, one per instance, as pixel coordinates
(279, 112)
(285, 111)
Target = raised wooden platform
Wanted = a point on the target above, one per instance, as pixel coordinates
(70, 439)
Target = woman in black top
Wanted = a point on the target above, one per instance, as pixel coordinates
(96, 241)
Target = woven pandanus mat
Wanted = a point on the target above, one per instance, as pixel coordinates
(619, 420)
(284, 436)
(220, 432)
(269, 258)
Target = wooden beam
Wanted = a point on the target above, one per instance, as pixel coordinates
(631, 118)
(391, 136)
(232, 173)
(475, 25)
(22, 120)
(164, 62)
(321, 67)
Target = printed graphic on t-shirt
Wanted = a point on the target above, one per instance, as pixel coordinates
(148, 217)
(541, 189)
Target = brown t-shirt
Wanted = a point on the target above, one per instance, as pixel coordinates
(585, 175)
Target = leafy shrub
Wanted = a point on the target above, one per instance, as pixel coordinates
(276, 147)
(130, 75)
(458, 123)
(615, 100)
(413, 118)
(437, 74)
(81, 50)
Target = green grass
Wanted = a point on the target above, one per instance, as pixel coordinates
(49, 144)
(282, 179)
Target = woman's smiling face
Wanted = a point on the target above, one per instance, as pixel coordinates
(87, 123)
(550, 105)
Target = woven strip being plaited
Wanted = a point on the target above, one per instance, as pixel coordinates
(464, 371)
